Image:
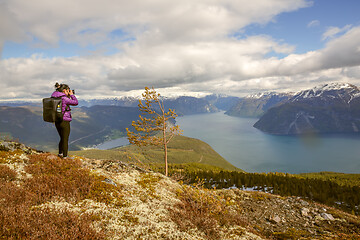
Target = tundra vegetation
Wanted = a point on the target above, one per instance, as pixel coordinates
(45, 197)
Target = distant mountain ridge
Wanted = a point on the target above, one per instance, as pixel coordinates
(94, 120)
(328, 108)
(256, 105)
(183, 105)
(90, 125)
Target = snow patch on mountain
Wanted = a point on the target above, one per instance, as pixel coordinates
(331, 90)
(267, 94)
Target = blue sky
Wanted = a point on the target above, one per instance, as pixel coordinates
(304, 28)
(114, 47)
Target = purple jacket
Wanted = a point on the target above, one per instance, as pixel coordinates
(66, 101)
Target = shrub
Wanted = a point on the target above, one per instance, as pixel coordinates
(52, 177)
(204, 209)
(7, 173)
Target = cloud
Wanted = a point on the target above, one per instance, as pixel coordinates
(313, 23)
(331, 32)
(9, 29)
(228, 66)
(91, 21)
(173, 45)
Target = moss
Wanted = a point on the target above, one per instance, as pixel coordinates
(107, 193)
(129, 217)
(9, 157)
(148, 182)
(7, 173)
(206, 210)
(260, 196)
(290, 233)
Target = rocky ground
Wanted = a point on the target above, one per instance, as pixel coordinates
(147, 205)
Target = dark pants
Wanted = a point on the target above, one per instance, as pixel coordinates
(63, 129)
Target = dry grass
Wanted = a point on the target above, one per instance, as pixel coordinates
(45, 197)
(51, 177)
(206, 210)
(7, 174)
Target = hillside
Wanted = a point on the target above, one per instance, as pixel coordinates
(329, 108)
(180, 150)
(89, 126)
(256, 105)
(339, 178)
(45, 197)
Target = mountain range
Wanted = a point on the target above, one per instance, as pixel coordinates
(256, 105)
(90, 125)
(328, 108)
(183, 105)
(94, 120)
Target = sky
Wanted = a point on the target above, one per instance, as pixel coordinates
(113, 48)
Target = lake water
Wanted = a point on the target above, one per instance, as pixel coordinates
(113, 143)
(254, 151)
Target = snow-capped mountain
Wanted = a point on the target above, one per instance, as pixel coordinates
(342, 91)
(255, 105)
(328, 108)
(183, 105)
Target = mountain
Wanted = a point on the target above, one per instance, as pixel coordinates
(183, 105)
(256, 105)
(329, 108)
(182, 150)
(93, 123)
(90, 125)
(46, 197)
(116, 101)
(222, 102)
(189, 105)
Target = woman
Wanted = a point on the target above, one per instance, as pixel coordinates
(63, 126)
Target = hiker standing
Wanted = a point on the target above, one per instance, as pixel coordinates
(63, 125)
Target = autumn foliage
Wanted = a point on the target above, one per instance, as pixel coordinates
(22, 214)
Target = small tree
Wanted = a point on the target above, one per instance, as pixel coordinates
(155, 130)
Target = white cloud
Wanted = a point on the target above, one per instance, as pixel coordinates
(331, 32)
(229, 65)
(184, 20)
(313, 23)
(176, 45)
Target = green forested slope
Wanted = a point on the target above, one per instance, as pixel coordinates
(344, 179)
(180, 150)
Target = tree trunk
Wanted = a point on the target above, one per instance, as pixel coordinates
(165, 144)
(166, 162)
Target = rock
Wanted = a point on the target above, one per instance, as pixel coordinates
(110, 182)
(12, 146)
(52, 157)
(305, 212)
(327, 216)
(275, 219)
(304, 203)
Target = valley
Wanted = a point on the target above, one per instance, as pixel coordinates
(330, 106)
